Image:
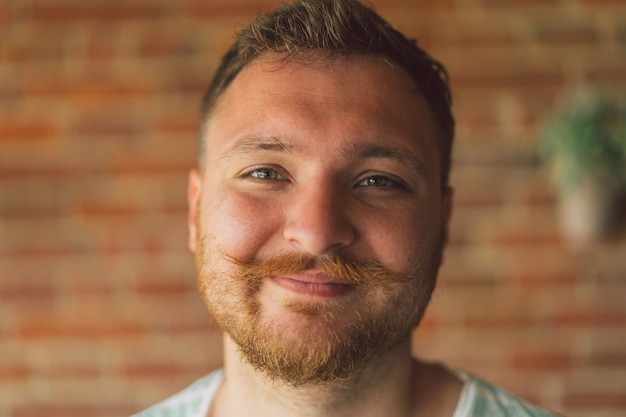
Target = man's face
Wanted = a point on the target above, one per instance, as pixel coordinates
(331, 163)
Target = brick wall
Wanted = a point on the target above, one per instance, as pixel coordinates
(98, 101)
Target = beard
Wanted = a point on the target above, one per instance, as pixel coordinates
(323, 342)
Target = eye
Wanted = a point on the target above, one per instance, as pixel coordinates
(381, 181)
(264, 174)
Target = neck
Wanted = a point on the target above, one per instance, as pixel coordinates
(388, 387)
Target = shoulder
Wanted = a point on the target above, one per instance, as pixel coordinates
(193, 401)
(480, 398)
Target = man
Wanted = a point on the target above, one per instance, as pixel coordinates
(318, 217)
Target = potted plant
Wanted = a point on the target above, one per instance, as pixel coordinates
(584, 143)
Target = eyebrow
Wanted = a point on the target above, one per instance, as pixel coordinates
(397, 155)
(252, 144)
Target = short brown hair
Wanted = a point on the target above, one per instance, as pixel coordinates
(328, 29)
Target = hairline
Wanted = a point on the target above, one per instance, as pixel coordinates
(313, 56)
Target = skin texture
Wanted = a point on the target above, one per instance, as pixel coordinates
(336, 157)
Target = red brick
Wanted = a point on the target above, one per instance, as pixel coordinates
(533, 239)
(153, 370)
(558, 34)
(590, 318)
(19, 293)
(607, 360)
(96, 290)
(85, 89)
(519, 5)
(614, 5)
(5, 15)
(407, 6)
(178, 127)
(200, 324)
(119, 129)
(543, 279)
(598, 401)
(545, 361)
(82, 13)
(191, 85)
(26, 173)
(100, 52)
(170, 289)
(538, 195)
(15, 52)
(526, 79)
(468, 35)
(151, 170)
(38, 252)
(29, 131)
(499, 322)
(29, 212)
(484, 283)
(175, 209)
(98, 210)
(57, 410)
(15, 372)
(476, 200)
(83, 372)
(67, 329)
(606, 76)
(121, 169)
(223, 10)
(166, 45)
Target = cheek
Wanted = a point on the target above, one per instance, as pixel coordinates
(238, 223)
(405, 238)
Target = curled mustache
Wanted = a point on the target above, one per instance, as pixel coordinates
(344, 268)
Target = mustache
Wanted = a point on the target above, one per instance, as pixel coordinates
(347, 269)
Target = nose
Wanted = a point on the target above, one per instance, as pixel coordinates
(317, 220)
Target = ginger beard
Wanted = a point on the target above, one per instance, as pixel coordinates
(326, 342)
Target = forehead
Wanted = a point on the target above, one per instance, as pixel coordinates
(346, 100)
(275, 73)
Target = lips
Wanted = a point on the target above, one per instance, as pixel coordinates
(313, 284)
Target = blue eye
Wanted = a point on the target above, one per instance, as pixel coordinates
(265, 174)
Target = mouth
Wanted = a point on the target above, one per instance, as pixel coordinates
(313, 284)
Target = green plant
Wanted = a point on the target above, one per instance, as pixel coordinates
(587, 138)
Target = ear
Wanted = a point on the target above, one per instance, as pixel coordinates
(447, 201)
(194, 190)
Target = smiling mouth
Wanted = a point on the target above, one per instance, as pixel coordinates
(313, 286)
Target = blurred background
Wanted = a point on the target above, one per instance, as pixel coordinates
(99, 314)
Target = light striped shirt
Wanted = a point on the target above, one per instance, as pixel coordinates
(478, 399)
